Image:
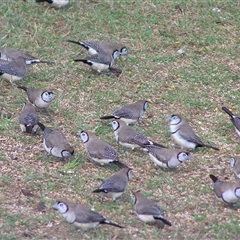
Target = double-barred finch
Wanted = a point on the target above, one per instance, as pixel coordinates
(235, 120)
(13, 63)
(147, 211)
(128, 137)
(28, 119)
(56, 143)
(235, 163)
(116, 184)
(166, 158)
(99, 151)
(56, 3)
(10, 54)
(225, 191)
(100, 62)
(129, 113)
(81, 216)
(13, 70)
(39, 97)
(183, 134)
(96, 47)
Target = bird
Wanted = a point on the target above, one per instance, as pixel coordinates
(115, 185)
(166, 158)
(183, 134)
(10, 54)
(39, 97)
(129, 113)
(225, 191)
(99, 151)
(13, 63)
(56, 3)
(96, 47)
(235, 163)
(146, 210)
(29, 119)
(235, 120)
(100, 62)
(56, 143)
(81, 215)
(13, 70)
(128, 137)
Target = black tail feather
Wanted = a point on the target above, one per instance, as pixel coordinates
(110, 223)
(226, 110)
(120, 164)
(98, 190)
(107, 117)
(214, 178)
(164, 220)
(209, 146)
(158, 145)
(28, 128)
(76, 42)
(41, 126)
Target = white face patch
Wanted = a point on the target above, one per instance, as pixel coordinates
(47, 96)
(84, 136)
(115, 125)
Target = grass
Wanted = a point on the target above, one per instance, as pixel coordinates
(195, 85)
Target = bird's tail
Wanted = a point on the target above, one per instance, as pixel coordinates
(81, 60)
(226, 110)
(107, 117)
(209, 146)
(41, 126)
(214, 178)
(76, 42)
(120, 164)
(40, 61)
(164, 220)
(98, 190)
(110, 223)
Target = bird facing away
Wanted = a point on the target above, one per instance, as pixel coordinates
(99, 151)
(56, 3)
(235, 163)
(96, 47)
(56, 143)
(116, 184)
(146, 210)
(28, 119)
(183, 134)
(129, 113)
(81, 216)
(235, 120)
(225, 191)
(13, 63)
(39, 97)
(128, 137)
(100, 62)
(166, 158)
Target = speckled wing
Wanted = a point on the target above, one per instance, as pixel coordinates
(28, 119)
(150, 209)
(14, 67)
(187, 133)
(113, 186)
(106, 153)
(123, 113)
(86, 215)
(139, 139)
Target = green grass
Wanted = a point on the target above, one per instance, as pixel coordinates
(195, 85)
